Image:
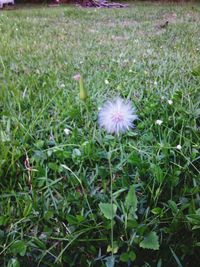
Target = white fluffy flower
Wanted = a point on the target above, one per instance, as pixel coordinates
(179, 147)
(159, 122)
(117, 116)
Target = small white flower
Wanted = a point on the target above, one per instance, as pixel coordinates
(155, 83)
(106, 81)
(179, 147)
(130, 71)
(170, 102)
(66, 131)
(62, 85)
(117, 116)
(159, 122)
(42, 236)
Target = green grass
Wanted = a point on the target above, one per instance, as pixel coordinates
(53, 186)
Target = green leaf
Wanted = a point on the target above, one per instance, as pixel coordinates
(157, 173)
(18, 247)
(54, 167)
(48, 215)
(173, 207)
(128, 256)
(13, 263)
(71, 219)
(3, 220)
(134, 159)
(124, 257)
(38, 243)
(156, 211)
(194, 219)
(132, 255)
(131, 199)
(27, 209)
(108, 210)
(150, 241)
(80, 218)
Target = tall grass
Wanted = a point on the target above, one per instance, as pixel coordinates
(55, 188)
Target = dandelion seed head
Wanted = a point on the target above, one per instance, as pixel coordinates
(117, 116)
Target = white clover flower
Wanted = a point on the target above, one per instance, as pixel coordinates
(66, 131)
(159, 122)
(170, 102)
(179, 147)
(106, 81)
(117, 116)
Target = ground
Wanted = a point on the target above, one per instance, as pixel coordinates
(55, 184)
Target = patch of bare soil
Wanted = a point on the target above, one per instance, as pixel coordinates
(168, 18)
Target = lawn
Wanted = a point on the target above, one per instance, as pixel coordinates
(84, 197)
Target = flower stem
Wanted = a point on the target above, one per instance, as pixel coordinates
(111, 202)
